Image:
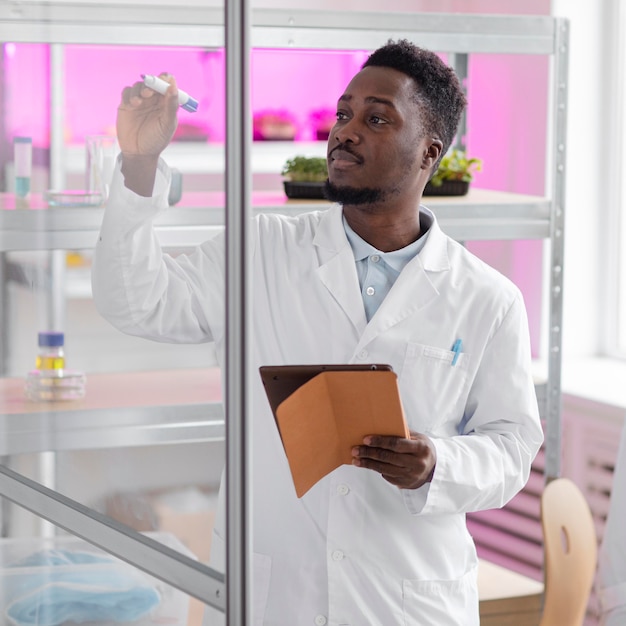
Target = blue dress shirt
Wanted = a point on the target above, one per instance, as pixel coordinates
(378, 271)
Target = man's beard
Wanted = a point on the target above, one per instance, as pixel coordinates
(352, 195)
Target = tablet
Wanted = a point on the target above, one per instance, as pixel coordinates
(280, 381)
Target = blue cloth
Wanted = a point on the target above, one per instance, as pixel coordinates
(58, 586)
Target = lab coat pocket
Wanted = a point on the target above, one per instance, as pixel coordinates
(441, 602)
(433, 386)
(261, 571)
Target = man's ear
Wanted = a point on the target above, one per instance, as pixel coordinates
(432, 154)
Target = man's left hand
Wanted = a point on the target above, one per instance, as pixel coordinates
(405, 463)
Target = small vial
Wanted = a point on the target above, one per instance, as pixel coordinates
(23, 163)
(51, 381)
(51, 354)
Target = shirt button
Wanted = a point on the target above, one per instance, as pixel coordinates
(337, 555)
(370, 291)
(363, 355)
(375, 258)
(320, 620)
(343, 490)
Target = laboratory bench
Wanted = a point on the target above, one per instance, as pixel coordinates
(508, 598)
(118, 410)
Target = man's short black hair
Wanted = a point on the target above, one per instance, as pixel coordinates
(438, 91)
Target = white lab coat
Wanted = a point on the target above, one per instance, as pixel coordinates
(354, 550)
(611, 580)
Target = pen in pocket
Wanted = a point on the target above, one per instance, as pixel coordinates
(456, 348)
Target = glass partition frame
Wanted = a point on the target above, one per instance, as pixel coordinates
(60, 24)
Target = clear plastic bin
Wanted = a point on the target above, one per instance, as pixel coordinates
(44, 580)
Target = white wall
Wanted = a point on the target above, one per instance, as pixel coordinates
(586, 181)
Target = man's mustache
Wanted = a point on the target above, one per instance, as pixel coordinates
(345, 147)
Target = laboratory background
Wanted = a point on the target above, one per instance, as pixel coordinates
(132, 430)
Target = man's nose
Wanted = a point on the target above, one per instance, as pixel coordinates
(348, 131)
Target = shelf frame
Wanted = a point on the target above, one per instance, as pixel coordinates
(170, 24)
(481, 215)
(164, 24)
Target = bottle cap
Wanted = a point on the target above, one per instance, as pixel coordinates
(51, 339)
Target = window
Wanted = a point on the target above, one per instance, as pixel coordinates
(615, 157)
(619, 207)
(594, 319)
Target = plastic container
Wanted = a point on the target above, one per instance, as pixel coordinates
(304, 190)
(50, 380)
(44, 580)
(23, 158)
(447, 188)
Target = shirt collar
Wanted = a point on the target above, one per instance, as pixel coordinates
(397, 259)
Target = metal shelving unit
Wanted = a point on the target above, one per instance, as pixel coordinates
(120, 410)
(481, 215)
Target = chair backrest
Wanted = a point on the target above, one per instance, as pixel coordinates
(570, 553)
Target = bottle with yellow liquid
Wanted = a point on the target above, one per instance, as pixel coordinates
(50, 380)
(51, 354)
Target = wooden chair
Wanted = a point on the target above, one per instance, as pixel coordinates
(570, 553)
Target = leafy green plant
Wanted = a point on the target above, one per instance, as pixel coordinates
(305, 169)
(456, 165)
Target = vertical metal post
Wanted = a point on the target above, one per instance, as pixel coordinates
(5, 140)
(54, 280)
(459, 62)
(238, 307)
(555, 324)
(4, 315)
(55, 298)
(5, 157)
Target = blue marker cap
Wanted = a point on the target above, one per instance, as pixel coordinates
(191, 105)
(51, 339)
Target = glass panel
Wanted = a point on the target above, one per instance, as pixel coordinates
(129, 427)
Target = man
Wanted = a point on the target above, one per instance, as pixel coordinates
(372, 279)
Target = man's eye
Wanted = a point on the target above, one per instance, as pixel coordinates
(341, 115)
(377, 120)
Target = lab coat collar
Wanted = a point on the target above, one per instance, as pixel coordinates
(337, 269)
(412, 290)
(434, 254)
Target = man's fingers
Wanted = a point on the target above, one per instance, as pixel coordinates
(406, 463)
(127, 95)
(389, 442)
(370, 454)
(136, 94)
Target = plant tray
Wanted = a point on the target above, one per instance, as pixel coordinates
(447, 188)
(304, 190)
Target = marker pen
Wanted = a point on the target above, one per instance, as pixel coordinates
(161, 86)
